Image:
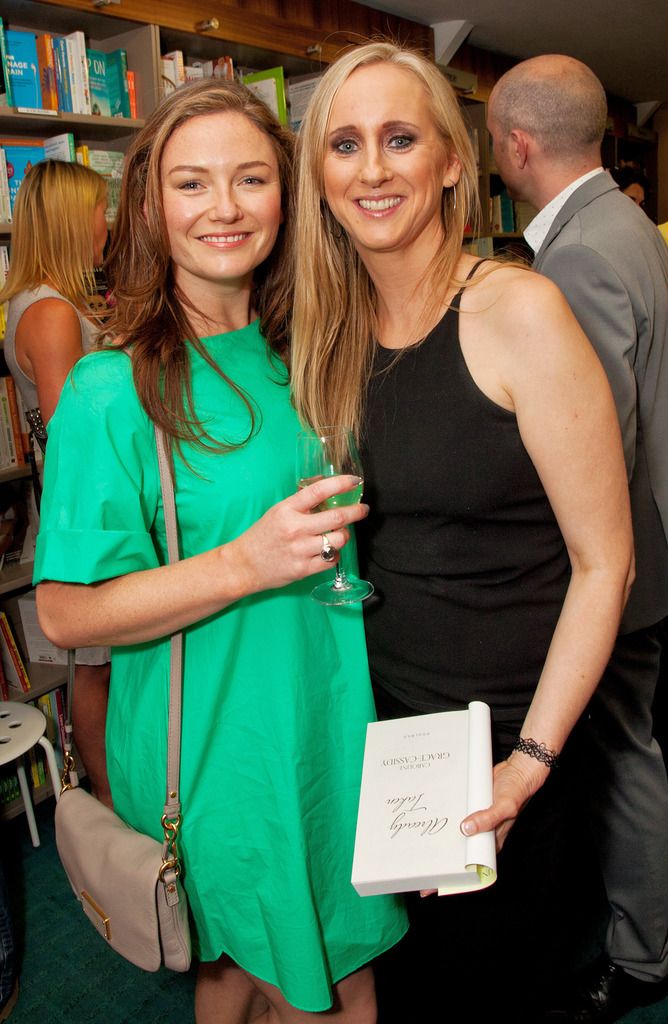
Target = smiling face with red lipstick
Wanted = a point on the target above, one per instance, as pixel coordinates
(386, 165)
(221, 198)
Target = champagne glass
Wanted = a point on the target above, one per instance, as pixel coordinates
(330, 453)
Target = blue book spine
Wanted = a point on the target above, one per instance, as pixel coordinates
(62, 75)
(23, 68)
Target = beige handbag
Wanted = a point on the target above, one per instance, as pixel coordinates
(126, 882)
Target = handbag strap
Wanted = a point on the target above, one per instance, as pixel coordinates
(172, 799)
(172, 810)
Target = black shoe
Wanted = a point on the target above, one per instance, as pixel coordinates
(603, 993)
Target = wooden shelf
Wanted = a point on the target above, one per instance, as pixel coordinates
(43, 679)
(15, 576)
(92, 127)
(13, 472)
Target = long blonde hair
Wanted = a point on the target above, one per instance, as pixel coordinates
(334, 318)
(52, 236)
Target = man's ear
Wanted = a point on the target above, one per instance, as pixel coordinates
(519, 144)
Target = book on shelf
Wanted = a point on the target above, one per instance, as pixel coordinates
(117, 83)
(46, 60)
(36, 768)
(47, 705)
(60, 147)
(132, 92)
(97, 79)
(194, 73)
(20, 155)
(13, 400)
(269, 85)
(23, 69)
(5, 205)
(4, 685)
(219, 67)
(421, 777)
(168, 76)
(12, 662)
(299, 89)
(4, 269)
(503, 214)
(5, 82)
(9, 784)
(179, 66)
(62, 74)
(77, 67)
(109, 164)
(10, 451)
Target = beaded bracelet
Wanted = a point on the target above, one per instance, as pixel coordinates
(537, 750)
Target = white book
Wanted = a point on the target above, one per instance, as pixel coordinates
(169, 79)
(179, 65)
(421, 777)
(60, 147)
(78, 67)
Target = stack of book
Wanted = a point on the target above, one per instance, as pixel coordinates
(48, 73)
(270, 85)
(177, 69)
(18, 155)
(14, 431)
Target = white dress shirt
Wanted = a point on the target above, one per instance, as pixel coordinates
(536, 232)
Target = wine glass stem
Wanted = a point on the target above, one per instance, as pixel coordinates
(340, 580)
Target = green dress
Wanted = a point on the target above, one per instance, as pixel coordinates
(276, 688)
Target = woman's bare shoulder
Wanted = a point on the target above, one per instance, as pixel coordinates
(513, 295)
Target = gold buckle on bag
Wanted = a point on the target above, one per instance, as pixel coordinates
(69, 765)
(104, 919)
(170, 860)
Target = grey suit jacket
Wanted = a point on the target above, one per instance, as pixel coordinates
(611, 263)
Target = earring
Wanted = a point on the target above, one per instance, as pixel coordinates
(454, 196)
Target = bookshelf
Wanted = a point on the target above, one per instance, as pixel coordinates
(260, 39)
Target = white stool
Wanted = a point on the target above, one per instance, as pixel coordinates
(21, 727)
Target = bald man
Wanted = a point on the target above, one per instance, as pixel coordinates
(547, 116)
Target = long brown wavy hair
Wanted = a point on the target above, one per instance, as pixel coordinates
(151, 317)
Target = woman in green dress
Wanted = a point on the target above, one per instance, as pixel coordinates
(276, 691)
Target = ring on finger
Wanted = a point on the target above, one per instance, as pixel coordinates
(327, 552)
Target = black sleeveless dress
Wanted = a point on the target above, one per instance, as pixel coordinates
(468, 561)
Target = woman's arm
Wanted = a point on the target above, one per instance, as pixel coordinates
(547, 371)
(283, 546)
(48, 344)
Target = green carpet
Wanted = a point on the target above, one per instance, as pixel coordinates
(68, 975)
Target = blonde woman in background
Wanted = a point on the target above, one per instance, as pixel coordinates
(58, 238)
(499, 537)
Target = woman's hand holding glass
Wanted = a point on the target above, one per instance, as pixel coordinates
(286, 543)
(322, 456)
